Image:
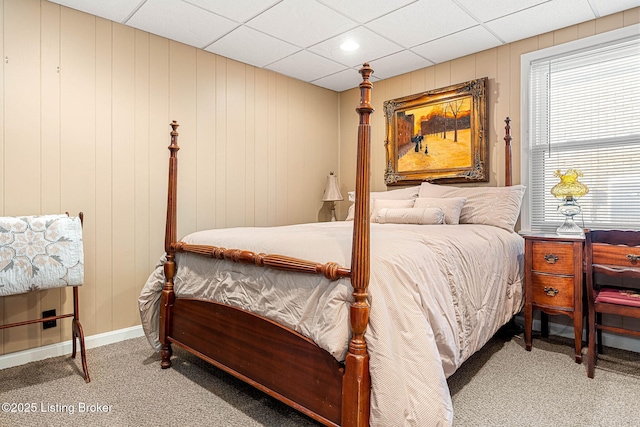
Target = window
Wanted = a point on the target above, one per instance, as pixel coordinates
(581, 109)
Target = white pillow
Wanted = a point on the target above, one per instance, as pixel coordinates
(400, 193)
(433, 190)
(389, 204)
(410, 216)
(450, 206)
(497, 206)
(376, 204)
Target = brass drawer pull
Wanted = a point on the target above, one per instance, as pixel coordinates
(633, 258)
(551, 291)
(551, 258)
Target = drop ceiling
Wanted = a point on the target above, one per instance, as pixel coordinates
(302, 38)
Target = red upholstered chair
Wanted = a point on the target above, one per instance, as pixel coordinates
(612, 259)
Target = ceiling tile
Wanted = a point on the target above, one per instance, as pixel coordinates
(306, 66)
(398, 63)
(113, 10)
(462, 43)
(541, 19)
(422, 21)
(181, 22)
(607, 7)
(303, 23)
(365, 10)
(238, 10)
(343, 80)
(271, 33)
(486, 10)
(372, 46)
(251, 47)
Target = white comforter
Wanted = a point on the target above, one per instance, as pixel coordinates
(437, 294)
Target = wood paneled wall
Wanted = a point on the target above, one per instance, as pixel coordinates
(86, 107)
(501, 65)
(85, 111)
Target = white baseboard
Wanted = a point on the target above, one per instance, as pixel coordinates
(60, 349)
(608, 339)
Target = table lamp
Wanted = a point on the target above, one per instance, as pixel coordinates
(569, 189)
(332, 193)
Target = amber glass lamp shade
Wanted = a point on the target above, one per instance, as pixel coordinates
(569, 189)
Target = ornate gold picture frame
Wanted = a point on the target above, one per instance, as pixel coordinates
(438, 135)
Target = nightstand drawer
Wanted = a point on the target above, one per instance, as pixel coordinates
(556, 291)
(553, 257)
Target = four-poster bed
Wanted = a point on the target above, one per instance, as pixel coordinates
(296, 329)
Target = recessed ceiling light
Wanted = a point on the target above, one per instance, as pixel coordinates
(349, 45)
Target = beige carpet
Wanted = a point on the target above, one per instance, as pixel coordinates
(505, 385)
(502, 385)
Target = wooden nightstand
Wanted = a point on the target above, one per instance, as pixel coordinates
(553, 282)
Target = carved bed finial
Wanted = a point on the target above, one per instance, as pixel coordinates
(365, 108)
(366, 72)
(507, 128)
(173, 146)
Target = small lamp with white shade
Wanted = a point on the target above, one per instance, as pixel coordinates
(332, 193)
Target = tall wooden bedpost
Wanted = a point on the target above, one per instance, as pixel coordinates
(507, 153)
(168, 296)
(357, 382)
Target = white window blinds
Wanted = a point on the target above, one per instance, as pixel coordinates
(584, 113)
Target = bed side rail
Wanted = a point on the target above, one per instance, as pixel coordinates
(330, 270)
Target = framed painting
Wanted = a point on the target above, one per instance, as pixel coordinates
(438, 135)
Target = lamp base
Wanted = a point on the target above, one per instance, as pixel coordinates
(333, 212)
(569, 228)
(569, 209)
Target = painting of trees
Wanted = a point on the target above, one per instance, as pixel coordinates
(454, 107)
(447, 129)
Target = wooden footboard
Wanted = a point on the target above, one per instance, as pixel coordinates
(274, 359)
